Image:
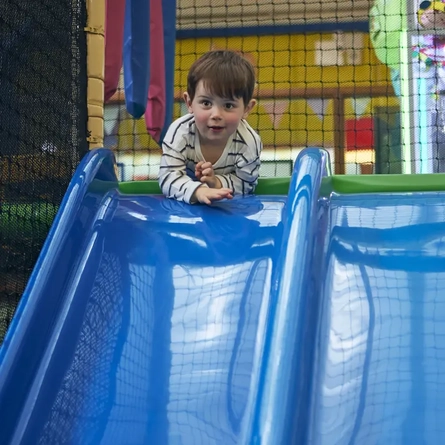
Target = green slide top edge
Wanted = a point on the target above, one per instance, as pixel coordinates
(266, 186)
(400, 183)
(342, 184)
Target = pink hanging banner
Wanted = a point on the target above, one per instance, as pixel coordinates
(156, 105)
(114, 36)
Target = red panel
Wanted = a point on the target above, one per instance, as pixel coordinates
(359, 133)
(155, 112)
(114, 36)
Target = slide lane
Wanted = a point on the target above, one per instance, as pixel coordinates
(151, 321)
(379, 368)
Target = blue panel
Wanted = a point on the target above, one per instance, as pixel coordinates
(156, 332)
(380, 373)
(45, 298)
(264, 320)
(136, 57)
(283, 398)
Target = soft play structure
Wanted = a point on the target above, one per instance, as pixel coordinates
(310, 313)
(409, 37)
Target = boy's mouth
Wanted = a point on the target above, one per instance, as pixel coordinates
(216, 128)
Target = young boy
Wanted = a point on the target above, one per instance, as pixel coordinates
(212, 153)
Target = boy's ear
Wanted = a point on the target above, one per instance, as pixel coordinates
(249, 107)
(188, 102)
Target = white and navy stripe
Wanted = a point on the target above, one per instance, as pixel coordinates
(237, 169)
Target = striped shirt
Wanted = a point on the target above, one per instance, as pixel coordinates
(237, 168)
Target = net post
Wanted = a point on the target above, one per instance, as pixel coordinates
(95, 30)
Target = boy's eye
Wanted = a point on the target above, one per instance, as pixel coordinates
(206, 103)
(229, 106)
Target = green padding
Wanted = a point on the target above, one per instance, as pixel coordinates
(140, 188)
(383, 183)
(266, 186)
(345, 184)
(273, 186)
(19, 221)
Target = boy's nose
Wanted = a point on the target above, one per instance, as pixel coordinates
(216, 113)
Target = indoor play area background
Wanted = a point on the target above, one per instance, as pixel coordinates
(310, 312)
(321, 83)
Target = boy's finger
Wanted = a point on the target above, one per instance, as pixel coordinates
(207, 172)
(207, 180)
(204, 199)
(225, 193)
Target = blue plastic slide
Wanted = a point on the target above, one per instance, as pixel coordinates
(263, 320)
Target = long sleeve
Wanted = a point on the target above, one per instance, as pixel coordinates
(173, 178)
(245, 178)
(247, 147)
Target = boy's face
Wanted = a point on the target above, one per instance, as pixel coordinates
(216, 118)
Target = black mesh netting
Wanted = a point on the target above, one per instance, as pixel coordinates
(43, 121)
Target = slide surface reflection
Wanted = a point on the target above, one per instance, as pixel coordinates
(380, 372)
(264, 320)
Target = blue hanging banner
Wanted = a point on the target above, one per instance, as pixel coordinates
(136, 56)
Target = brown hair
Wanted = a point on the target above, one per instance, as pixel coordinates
(224, 73)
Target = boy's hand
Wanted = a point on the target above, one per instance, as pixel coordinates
(205, 173)
(206, 195)
(198, 169)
